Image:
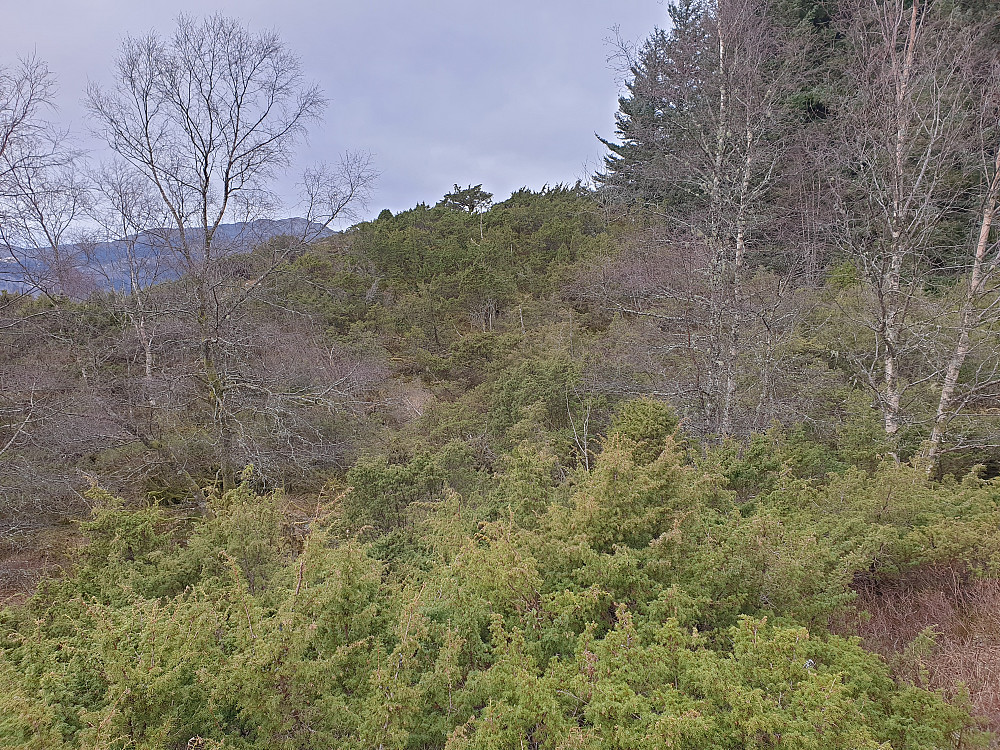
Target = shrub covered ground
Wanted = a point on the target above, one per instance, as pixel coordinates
(667, 597)
(512, 532)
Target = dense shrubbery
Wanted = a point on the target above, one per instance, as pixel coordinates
(667, 597)
(623, 468)
(507, 550)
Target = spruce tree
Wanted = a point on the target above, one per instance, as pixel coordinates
(657, 90)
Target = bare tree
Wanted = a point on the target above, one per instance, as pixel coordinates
(979, 301)
(713, 155)
(127, 249)
(30, 154)
(36, 203)
(39, 229)
(25, 136)
(901, 138)
(331, 193)
(207, 117)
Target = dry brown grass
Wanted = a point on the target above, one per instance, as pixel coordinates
(25, 562)
(963, 614)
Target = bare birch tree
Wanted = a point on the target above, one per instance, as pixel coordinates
(29, 148)
(40, 229)
(718, 144)
(979, 307)
(36, 202)
(208, 117)
(901, 138)
(26, 140)
(127, 249)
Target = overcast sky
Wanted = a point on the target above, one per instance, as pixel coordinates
(505, 93)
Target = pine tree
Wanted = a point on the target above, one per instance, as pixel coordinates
(659, 87)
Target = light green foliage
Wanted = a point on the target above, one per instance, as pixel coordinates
(629, 502)
(508, 552)
(242, 530)
(900, 518)
(125, 549)
(525, 482)
(525, 561)
(647, 605)
(646, 423)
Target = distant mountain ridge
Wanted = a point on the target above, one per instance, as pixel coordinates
(100, 265)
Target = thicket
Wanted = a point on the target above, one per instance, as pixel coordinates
(512, 548)
(644, 601)
(664, 463)
(521, 557)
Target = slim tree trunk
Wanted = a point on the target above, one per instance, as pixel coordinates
(146, 339)
(967, 320)
(892, 298)
(736, 320)
(719, 372)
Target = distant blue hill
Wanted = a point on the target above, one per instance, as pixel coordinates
(101, 265)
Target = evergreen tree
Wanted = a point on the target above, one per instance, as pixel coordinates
(662, 72)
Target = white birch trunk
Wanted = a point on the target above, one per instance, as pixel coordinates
(968, 320)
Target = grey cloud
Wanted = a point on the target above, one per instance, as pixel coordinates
(442, 91)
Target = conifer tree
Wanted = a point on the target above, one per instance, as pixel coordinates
(633, 170)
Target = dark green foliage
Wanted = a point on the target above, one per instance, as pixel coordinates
(634, 168)
(514, 242)
(465, 526)
(472, 198)
(536, 391)
(380, 492)
(521, 555)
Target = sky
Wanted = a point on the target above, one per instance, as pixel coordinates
(507, 93)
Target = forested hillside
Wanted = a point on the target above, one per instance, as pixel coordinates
(702, 455)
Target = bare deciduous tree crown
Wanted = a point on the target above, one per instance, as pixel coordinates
(207, 115)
